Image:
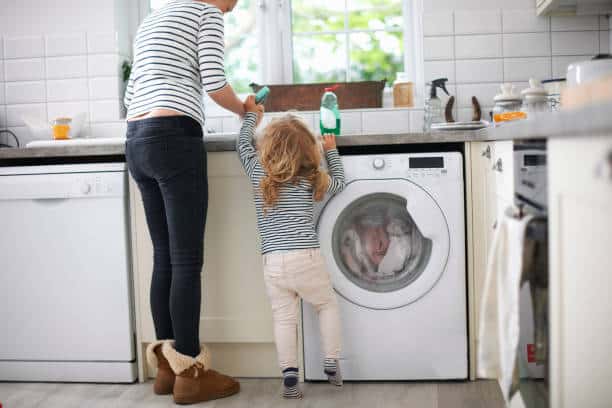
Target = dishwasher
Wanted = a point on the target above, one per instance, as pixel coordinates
(65, 277)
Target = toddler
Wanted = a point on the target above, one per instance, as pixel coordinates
(287, 178)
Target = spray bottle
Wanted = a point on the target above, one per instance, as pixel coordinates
(330, 114)
(433, 106)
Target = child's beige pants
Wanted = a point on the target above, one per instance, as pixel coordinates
(290, 276)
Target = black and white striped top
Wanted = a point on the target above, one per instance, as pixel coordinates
(289, 224)
(178, 51)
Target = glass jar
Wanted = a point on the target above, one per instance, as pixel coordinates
(535, 98)
(61, 128)
(507, 105)
(403, 91)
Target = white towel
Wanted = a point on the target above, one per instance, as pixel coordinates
(499, 313)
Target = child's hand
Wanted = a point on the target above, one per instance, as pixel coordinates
(329, 142)
(251, 106)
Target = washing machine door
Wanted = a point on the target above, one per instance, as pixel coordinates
(386, 242)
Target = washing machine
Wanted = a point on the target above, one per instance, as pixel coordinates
(394, 243)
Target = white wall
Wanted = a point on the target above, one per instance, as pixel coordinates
(56, 16)
(478, 44)
(61, 58)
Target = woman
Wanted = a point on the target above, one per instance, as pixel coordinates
(178, 54)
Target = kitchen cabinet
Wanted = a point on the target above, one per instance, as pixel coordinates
(580, 218)
(492, 191)
(570, 7)
(236, 320)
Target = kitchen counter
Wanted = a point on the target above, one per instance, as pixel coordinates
(585, 122)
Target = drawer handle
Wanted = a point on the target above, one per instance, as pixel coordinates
(487, 152)
(499, 166)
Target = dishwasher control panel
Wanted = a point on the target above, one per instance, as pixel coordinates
(63, 185)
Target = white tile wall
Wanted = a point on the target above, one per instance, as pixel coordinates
(15, 113)
(65, 44)
(111, 129)
(105, 111)
(2, 117)
(440, 69)
(478, 46)
(485, 70)
(438, 48)
(526, 45)
(65, 90)
(23, 47)
(478, 22)
(385, 121)
(518, 69)
(67, 67)
(604, 42)
(25, 92)
(24, 70)
(2, 96)
(575, 23)
(102, 43)
(604, 23)
(103, 65)
(1, 70)
(104, 87)
(575, 43)
(524, 21)
(66, 109)
(441, 23)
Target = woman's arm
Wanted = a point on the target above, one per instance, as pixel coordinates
(227, 98)
(211, 55)
(334, 164)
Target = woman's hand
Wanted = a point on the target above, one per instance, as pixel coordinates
(329, 142)
(251, 106)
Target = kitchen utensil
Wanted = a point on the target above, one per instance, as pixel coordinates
(40, 129)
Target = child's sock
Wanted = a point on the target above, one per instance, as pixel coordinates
(290, 383)
(332, 369)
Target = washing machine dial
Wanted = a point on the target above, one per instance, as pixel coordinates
(378, 164)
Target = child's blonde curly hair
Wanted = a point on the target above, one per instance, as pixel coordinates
(290, 153)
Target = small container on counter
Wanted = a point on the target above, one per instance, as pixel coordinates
(61, 128)
(403, 91)
(535, 98)
(554, 88)
(507, 105)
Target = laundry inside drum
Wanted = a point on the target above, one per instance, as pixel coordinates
(377, 244)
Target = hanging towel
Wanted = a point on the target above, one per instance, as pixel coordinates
(499, 313)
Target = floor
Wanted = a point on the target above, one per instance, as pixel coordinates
(260, 394)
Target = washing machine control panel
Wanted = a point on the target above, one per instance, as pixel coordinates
(378, 163)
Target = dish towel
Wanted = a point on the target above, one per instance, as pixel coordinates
(499, 312)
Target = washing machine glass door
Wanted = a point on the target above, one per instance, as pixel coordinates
(386, 242)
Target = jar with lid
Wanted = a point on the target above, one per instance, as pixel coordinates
(403, 91)
(61, 128)
(507, 104)
(535, 98)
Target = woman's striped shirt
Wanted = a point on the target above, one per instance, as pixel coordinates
(289, 224)
(178, 51)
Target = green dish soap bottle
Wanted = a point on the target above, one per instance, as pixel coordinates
(330, 113)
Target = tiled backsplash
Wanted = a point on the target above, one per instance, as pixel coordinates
(477, 50)
(44, 77)
(63, 74)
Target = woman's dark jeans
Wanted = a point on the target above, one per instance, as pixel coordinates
(167, 159)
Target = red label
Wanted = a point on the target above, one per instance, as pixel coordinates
(531, 351)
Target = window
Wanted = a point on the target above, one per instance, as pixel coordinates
(302, 41)
(344, 40)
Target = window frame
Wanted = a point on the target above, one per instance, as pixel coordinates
(275, 35)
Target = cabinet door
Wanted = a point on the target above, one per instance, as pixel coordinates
(580, 217)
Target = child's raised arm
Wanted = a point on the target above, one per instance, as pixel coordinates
(246, 151)
(334, 164)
